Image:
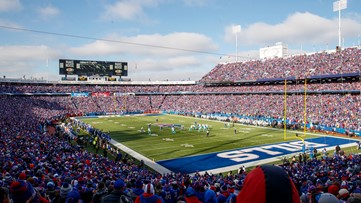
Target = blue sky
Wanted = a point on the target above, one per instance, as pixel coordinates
(163, 39)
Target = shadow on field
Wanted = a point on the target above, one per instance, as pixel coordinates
(167, 152)
(127, 135)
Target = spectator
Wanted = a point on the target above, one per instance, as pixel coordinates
(209, 195)
(148, 196)
(22, 191)
(65, 189)
(268, 183)
(190, 196)
(118, 195)
(100, 192)
(73, 197)
(328, 198)
(88, 192)
(4, 195)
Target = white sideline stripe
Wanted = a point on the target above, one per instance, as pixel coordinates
(157, 167)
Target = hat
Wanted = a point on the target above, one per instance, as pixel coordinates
(268, 183)
(21, 191)
(149, 188)
(18, 187)
(328, 198)
(65, 189)
(119, 184)
(333, 189)
(343, 192)
(22, 176)
(190, 192)
(50, 185)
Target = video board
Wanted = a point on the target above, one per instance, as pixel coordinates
(90, 68)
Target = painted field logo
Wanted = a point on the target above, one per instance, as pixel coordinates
(271, 150)
(231, 160)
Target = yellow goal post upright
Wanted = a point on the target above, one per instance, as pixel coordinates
(305, 109)
(305, 102)
(285, 117)
(123, 105)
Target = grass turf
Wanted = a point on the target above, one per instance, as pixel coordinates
(162, 144)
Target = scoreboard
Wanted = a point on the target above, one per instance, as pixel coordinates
(90, 68)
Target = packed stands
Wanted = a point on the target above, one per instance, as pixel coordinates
(33, 160)
(300, 66)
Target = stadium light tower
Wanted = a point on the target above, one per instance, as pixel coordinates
(236, 29)
(338, 6)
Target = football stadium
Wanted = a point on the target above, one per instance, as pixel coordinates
(280, 128)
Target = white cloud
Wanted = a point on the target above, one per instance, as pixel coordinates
(48, 12)
(128, 10)
(167, 64)
(173, 56)
(298, 28)
(176, 68)
(196, 2)
(173, 44)
(144, 62)
(19, 60)
(10, 5)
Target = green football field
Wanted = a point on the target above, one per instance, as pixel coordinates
(162, 144)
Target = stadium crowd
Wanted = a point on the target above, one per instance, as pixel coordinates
(196, 88)
(38, 165)
(331, 110)
(299, 66)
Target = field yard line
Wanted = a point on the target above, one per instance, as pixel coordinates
(136, 155)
